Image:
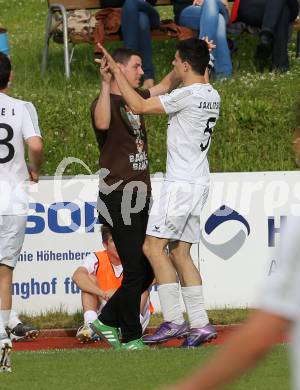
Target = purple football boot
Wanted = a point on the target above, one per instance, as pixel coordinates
(198, 336)
(166, 331)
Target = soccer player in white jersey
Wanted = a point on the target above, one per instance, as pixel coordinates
(174, 219)
(18, 123)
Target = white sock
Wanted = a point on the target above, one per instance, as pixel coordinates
(89, 316)
(14, 320)
(3, 333)
(169, 297)
(194, 304)
(5, 314)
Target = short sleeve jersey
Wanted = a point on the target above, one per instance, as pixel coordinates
(193, 112)
(18, 122)
(123, 146)
(281, 293)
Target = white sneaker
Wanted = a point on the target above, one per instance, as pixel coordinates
(5, 349)
(85, 334)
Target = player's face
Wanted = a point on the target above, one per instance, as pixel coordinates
(111, 248)
(179, 65)
(133, 71)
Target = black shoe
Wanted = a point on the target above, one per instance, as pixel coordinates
(22, 331)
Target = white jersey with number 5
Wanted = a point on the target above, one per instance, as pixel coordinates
(193, 112)
(18, 122)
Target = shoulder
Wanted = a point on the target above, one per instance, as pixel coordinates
(179, 94)
(15, 102)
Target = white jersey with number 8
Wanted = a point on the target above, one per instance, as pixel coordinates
(18, 122)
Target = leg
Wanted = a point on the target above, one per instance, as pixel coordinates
(251, 12)
(138, 18)
(12, 231)
(123, 309)
(90, 302)
(90, 306)
(190, 17)
(191, 286)
(223, 63)
(168, 291)
(209, 19)
(5, 292)
(5, 296)
(130, 24)
(184, 265)
(155, 250)
(280, 59)
(145, 47)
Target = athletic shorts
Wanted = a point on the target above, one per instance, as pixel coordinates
(175, 213)
(12, 232)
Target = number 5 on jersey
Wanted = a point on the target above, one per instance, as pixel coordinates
(208, 130)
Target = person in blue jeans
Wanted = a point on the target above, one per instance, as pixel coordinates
(209, 18)
(139, 17)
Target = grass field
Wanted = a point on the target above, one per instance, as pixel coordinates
(136, 370)
(61, 319)
(253, 133)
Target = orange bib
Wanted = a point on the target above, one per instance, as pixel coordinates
(107, 280)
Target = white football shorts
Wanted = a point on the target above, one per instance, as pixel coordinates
(175, 212)
(12, 232)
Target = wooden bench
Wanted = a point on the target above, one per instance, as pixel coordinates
(69, 5)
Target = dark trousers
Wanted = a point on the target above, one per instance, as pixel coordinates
(123, 309)
(274, 16)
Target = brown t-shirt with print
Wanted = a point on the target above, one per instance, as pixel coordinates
(123, 146)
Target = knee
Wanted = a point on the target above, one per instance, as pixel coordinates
(144, 23)
(147, 249)
(150, 251)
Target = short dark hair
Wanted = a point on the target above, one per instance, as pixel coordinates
(122, 55)
(105, 233)
(5, 69)
(195, 52)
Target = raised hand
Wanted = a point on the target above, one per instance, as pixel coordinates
(104, 69)
(109, 62)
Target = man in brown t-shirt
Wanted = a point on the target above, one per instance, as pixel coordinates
(124, 195)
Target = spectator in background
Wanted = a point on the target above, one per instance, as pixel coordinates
(274, 18)
(19, 126)
(100, 272)
(139, 17)
(209, 18)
